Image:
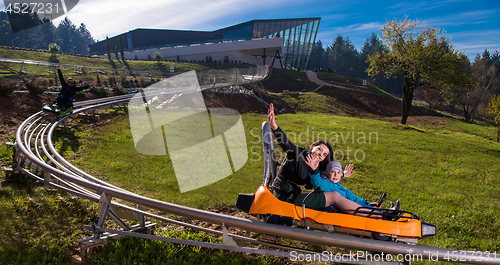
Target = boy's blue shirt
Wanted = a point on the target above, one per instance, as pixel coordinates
(320, 180)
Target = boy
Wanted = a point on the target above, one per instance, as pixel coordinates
(329, 181)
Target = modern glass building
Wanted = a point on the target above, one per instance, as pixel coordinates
(298, 36)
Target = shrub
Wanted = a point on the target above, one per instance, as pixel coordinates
(54, 49)
(42, 81)
(157, 57)
(119, 90)
(112, 80)
(99, 91)
(123, 76)
(7, 88)
(33, 87)
(53, 58)
(142, 81)
(80, 95)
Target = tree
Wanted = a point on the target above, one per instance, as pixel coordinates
(54, 49)
(66, 35)
(45, 35)
(26, 19)
(157, 57)
(343, 56)
(5, 30)
(109, 53)
(494, 108)
(84, 39)
(432, 97)
(317, 58)
(372, 46)
(424, 57)
(450, 97)
(485, 81)
(108, 48)
(122, 52)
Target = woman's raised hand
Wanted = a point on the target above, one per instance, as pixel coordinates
(312, 161)
(271, 118)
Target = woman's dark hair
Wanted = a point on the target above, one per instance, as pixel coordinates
(322, 164)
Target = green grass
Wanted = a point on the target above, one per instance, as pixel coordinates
(447, 176)
(309, 102)
(445, 173)
(43, 56)
(40, 225)
(134, 251)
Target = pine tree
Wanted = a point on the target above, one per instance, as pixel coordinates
(108, 48)
(84, 39)
(122, 52)
(66, 33)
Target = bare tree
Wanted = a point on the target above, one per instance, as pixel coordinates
(486, 81)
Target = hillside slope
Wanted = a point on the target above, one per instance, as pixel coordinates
(335, 99)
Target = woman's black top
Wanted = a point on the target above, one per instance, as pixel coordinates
(293, 171)
(69, 91)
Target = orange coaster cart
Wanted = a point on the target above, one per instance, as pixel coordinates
(263, 204)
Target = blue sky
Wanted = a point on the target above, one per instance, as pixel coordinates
(472, 26)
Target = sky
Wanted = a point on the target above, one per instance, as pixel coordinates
(471, 25)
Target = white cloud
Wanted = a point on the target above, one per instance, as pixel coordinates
(358, 28)
(466, 18)
(112, 17)
(414, 6)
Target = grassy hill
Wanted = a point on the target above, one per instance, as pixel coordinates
(87, 61)
(443, 169)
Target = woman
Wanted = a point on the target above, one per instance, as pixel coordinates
(64, 101)
(294, 170)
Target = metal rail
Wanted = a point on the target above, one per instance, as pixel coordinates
(36, 132)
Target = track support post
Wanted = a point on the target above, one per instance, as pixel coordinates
(226, 239)
(104, 205)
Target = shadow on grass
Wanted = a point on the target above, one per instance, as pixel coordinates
(405, 127)
(135, 251)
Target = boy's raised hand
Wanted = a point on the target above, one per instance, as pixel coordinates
(348, 171)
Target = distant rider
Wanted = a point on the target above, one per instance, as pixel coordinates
(64, 102)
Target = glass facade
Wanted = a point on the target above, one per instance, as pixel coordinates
(299, 36)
